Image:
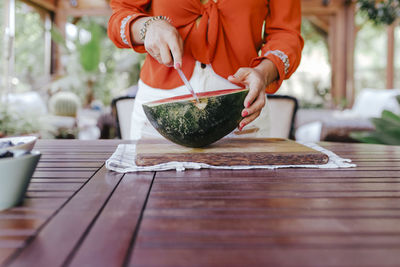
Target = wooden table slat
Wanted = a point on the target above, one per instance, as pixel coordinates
(122, 212)
(277, 203)
(310, 173)
(63, 174)
(271, 256)
(51, 194)
(69, 164)
(53, 187)
(59, 180)
(75, 218)
(274, 187)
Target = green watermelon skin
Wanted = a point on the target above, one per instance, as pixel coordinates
(186, 123)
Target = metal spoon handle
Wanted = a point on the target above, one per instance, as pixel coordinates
(187, 84)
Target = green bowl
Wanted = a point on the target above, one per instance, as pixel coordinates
(15, 175)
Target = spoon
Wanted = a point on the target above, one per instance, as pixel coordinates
(187, 84)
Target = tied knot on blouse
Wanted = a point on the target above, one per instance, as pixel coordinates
(199, 25)
(202, 37)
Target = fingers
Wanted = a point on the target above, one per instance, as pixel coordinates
(240, 76)
(155, 55)
(248, 119)
(153, 51)
(256, 106)
(255, 99)
(176, 47)
(169, 54)
(256, 86)
(252, 80)
(166, 58)
(164, 43)
(251, 113)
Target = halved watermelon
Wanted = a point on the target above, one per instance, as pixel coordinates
(184, 121)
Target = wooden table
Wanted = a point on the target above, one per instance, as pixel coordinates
(76, 213)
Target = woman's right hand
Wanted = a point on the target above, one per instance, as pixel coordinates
(162, 41)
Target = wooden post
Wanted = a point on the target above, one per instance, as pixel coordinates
(48, 42)
(390, 56)
(338, 54)
(8, 48)
(332, 36)
(341, 46)
(60, 21)
(350, 44)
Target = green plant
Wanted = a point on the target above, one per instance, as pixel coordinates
(14, 121)
(380, 11)
(87, 53)
(94, 67)
(64, 104)
(387, 129)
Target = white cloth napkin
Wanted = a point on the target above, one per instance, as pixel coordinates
(123, 161)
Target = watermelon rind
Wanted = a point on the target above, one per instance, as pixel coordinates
(185, 122)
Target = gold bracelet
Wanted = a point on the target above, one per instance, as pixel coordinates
(147, 23)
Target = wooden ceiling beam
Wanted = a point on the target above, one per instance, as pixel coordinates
(309, 7)
(320, 7)
(85, 8)
(77, 12)
(45, 4)
(325, 19)
(88, 7)
(319, 22)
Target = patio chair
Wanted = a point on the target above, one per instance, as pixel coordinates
(283, 109)
(122, 108)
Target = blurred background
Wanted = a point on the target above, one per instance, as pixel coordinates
(59, 72)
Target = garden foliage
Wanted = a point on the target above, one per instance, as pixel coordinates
(387, 130)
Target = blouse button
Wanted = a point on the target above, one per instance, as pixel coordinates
(203, 66)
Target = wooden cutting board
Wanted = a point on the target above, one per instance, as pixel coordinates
(228, 152)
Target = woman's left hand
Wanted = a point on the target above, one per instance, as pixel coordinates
(256, 79)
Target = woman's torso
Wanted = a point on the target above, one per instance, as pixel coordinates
(225, 33)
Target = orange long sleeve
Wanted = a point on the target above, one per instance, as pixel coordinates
(228, 35)
(283, 42)
(124, 14)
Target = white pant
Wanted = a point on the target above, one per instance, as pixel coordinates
(203, 79)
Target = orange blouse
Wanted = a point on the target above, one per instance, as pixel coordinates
(228, 35)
